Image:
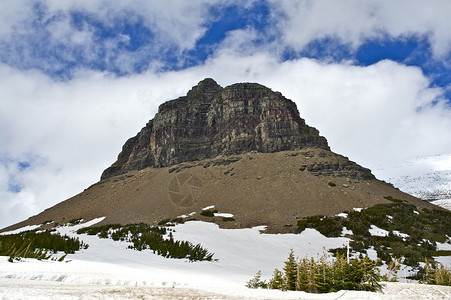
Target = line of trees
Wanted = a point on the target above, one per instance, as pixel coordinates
(435, 273)
(322, 276)
(39, 245)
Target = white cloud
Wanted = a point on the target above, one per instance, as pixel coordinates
(31, 33)
(75, 128)
(174, 21)
(177, 25)
(353, 21)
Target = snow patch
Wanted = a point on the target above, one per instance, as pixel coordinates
(22, 229)
(376, 231)
(372, 254)
(358, 209)
(342, 215)
(445, 203)
(70, 229)
(346, 231)
(400, 234)
(443, 246)
(188, 215)
(444, 260)
(208, 207)
(225, 215)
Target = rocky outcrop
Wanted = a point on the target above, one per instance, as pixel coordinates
(211, 121)
(347, 169)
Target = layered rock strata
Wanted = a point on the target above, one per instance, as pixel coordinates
(212, 121)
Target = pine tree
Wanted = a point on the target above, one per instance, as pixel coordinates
(277, 280)
(393, 267)
(338, 272)
(256, 282)
(323, 275)
(312, 277)
(302, 275)
(371, 274)
(353, 275)
(290, 270)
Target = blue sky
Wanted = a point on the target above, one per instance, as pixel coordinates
(80, 77)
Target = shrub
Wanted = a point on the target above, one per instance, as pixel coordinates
(143, 236)
(207, 213)
(390, 198)
(256, 282)
(75, 221)
(163, 222)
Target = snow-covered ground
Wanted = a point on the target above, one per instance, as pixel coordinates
(107, 270)
(428, 178)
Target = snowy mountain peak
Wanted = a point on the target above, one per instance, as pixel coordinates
(426, 177)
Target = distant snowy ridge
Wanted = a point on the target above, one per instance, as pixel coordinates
(428, 178)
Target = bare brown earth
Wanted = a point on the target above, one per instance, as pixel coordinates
(257, 188)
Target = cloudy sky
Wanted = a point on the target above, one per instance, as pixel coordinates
(77, 78)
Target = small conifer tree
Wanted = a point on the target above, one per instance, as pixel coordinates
(277, 280)
(256, 282)
(290, 270)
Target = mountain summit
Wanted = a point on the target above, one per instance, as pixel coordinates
(239, 156)
(211, 121)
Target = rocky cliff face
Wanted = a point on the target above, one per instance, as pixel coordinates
(211, 121)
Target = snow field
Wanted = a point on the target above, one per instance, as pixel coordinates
(107, 270)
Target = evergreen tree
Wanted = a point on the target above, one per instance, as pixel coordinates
(290, 270)
(371, 274)
(313, 277)
(256, 282)
(393, 267)
(277, 280)
(302, 275)
(436, 273)
(325, 276)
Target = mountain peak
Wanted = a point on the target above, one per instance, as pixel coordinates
(212, 121)
(206, 88)
(243, 149)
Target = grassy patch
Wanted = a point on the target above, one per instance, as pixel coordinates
(228, 219)
(332, 184)
(390, 198)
